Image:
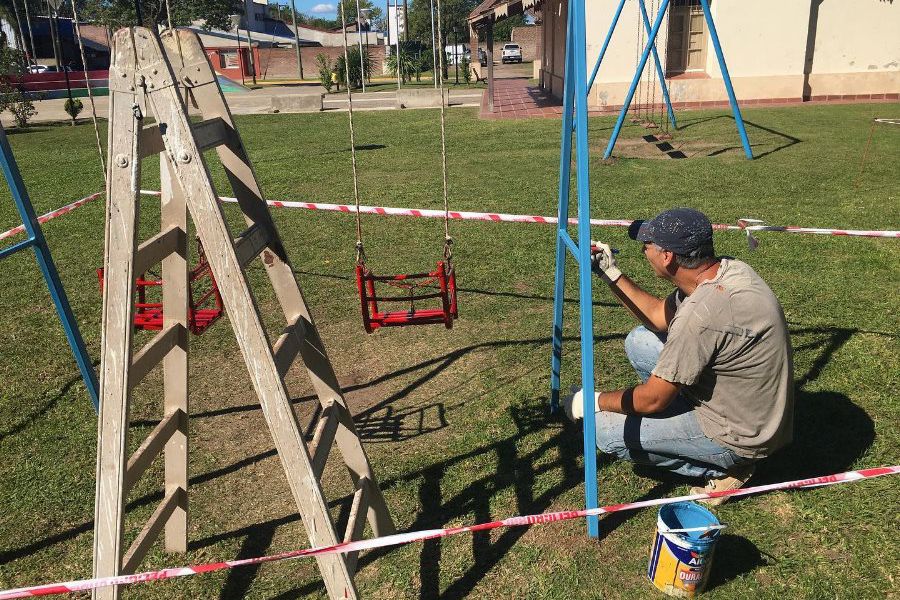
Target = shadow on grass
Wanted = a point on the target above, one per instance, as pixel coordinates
(830, 432)
(27, 419)
(665, 147)
(735, 556)
(476, 291)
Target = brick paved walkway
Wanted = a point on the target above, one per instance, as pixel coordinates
(515, 98)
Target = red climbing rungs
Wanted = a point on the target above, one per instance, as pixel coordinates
(444, 276)
(149, 315)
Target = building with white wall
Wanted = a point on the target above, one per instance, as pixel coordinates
(776, 50)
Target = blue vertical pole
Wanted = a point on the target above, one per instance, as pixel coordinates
(637, 77)
(609, 34)
(585, 299)
(565, 162)
(48, 268)
(732, 99)
(660, 72)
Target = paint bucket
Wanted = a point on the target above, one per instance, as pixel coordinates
(682, 550)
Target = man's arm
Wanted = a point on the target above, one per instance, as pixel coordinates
(644, 399)
(655, 313)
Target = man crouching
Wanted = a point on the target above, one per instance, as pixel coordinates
(714, 358)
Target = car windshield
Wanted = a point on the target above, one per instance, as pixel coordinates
(511, 47)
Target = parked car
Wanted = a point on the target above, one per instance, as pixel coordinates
(511, 53)
(38, 69)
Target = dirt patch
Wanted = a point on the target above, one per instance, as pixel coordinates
(651, 146)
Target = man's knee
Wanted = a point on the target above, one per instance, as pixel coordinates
(642, 347)
(611, 433)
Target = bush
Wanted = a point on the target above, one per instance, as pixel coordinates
(356, 72)
(407, 66)
(17, 102)
(466, 70)
(323, 64)
(74, 107)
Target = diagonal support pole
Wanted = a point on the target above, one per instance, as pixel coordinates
(48, 267)
(565, 173)
(732, 99)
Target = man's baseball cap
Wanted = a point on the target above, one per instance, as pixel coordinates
(684, 231)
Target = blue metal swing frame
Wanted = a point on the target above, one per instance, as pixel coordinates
(575, 114)
(574, 119)
(37, 241)
(651, 47)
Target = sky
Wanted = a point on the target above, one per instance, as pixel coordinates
(327, 9)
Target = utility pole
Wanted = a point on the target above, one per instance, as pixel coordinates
(250, 52)
(405, 20)
(362, 65)
(30, 31)
(54, 22)
(297, 38)
(52, 33)
(24, 48)
(236, 23)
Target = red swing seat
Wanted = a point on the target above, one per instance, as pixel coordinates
(204, 302)
(444, 276)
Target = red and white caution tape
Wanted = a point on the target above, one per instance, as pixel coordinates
(52, 215)
(746, 225)
(415, 536)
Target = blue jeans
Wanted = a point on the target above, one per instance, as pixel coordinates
(671, 439)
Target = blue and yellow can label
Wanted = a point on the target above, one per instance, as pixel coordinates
(680, 564)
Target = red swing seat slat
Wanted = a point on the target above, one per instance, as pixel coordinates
(373, 318)
(203, 309)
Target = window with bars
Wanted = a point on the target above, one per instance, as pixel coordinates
(686, 43)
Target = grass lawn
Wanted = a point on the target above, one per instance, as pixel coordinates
(456, 421)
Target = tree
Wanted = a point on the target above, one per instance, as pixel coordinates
(503, 29)
(120, 13)
(375, 15)
(453, 18)
(12, 98)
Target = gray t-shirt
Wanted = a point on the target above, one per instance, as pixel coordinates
(728, 345)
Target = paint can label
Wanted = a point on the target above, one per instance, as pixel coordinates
(679, 565)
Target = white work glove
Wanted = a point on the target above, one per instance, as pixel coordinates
(573, 404)
(603, 263)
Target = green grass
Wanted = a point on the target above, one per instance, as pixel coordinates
(455, 422)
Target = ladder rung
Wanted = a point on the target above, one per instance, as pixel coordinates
(158, 247)
(151, 141)
(151, 529)
(323, 438)
(357, 520)
(144, 456)
(250, 244)
(175, 335)
(211, 133)
(288, 345)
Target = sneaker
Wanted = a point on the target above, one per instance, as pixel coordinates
(732, 481)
